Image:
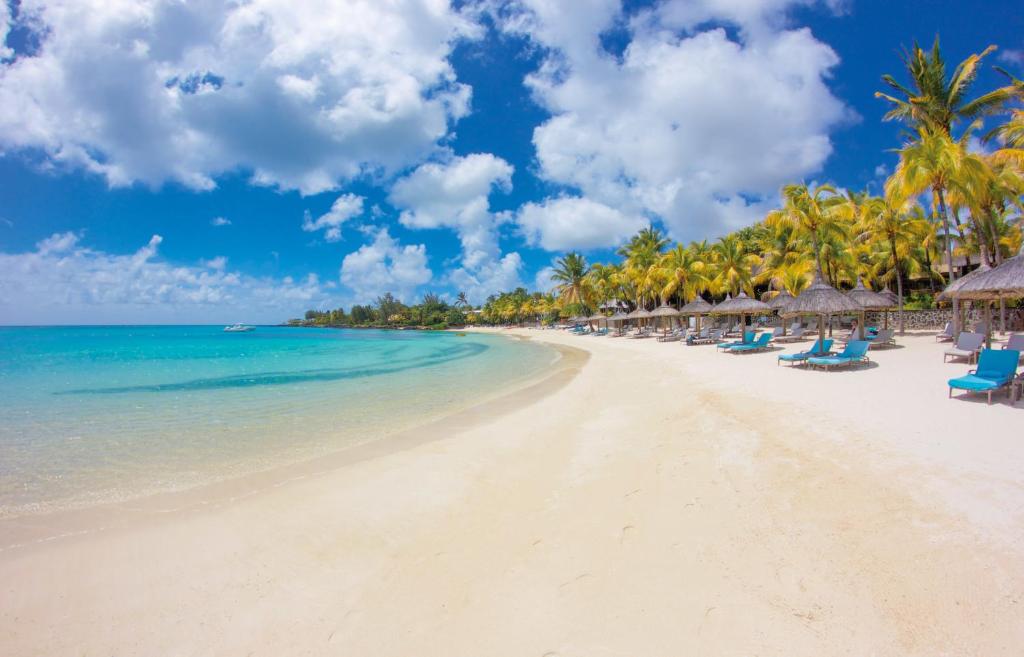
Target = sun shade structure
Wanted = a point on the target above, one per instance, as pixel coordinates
(742, 305)
(781, 301)
(665, 310)
(697, 307)
(952, 290)
(891, 296)
(868, 300)
(822, 299)
(618, 317)
(1003, 282)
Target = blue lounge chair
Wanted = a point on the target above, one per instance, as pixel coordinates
(748, 337)
(996, 369)
(856, 351)
(817, 350)
(760, 344)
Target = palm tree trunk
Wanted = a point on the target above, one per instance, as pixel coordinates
(949, 255)
(899, 278)
(960, 231)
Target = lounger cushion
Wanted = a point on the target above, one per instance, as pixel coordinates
(975, 383)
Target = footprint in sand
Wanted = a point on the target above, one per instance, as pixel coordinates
(626, 532)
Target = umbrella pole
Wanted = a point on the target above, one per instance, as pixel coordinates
(1002, 315)
(988, 324)
(860, 327)
(821, 332)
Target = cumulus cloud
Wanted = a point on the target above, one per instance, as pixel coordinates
(345, 207)
(454, 194)
(5, 29)
(303, 95)
(63, 281)
(543, 281)
(220, 221)
(1011, 56)
(688, 124)
(384, 265)
(575, 223)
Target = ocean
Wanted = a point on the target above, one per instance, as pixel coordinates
(91, 415)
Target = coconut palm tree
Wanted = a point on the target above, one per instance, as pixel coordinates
(461, 301)
(887, 222)
(934, 102)
(936, 163)
(733, 266)
(685, 275)
(570, 274)
(817, 214)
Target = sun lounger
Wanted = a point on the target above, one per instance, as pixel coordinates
(1015, 342)
(996, 369)
(762, 343)
(641, 334)
(856, 351)
(714, 336)
(967, 346)
(796, 335)
(674, 336)
(884, 338)
(748, 337)
(946, 335)
(801, 356)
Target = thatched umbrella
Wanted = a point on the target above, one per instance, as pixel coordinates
(891, 296)
(1003, 282)
(821, 299)
(953, 292)
(779, 304)
(664, 310)
(697, 307)
(618, 318)
(597, 317)
(868, 300)
(638, 314)
(742, 305)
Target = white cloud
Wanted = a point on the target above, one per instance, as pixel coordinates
(5, 28)
(303, 95)
(219, 263)
(65, 282)
(690, 125)
(1011, 56)
(384, 265)
(576, 223)
(220, 221)
(455, 194)
(543, 282)
(345, 207)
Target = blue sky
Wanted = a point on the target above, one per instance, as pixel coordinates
(214, 162)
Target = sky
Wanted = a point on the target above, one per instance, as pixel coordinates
(208, 161)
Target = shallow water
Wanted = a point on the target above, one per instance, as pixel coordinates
(98, 414)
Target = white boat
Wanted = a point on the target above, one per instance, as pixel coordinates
(238, 328)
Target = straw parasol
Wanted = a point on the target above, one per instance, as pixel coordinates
(597, 317)
(639, 313)
(779, 304)
(697, 307)
(1003, 282)
(742, 305)
(891, 296)
(869, 300)
(821, 299)
(664, 310)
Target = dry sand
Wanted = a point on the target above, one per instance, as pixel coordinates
(666, 500)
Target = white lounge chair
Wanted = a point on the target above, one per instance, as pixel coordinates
(946, 335)
(795, 335)
(884, 338)
(967, 346)
(1015, 342)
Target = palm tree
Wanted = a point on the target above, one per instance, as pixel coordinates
(932, 101)
(733, 266)
(571, 275)
(935, 163)
(886, 221)
(684, 273)
(817, 214)
(461, 301)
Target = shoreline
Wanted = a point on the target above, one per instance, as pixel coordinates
(662, 500)
(20, 532)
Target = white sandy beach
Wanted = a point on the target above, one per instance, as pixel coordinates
(664, 500)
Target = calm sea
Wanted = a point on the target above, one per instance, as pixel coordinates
(98, 414)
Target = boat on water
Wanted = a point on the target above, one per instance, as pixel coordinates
(238, 328)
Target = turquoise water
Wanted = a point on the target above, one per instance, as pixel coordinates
(98, 414)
